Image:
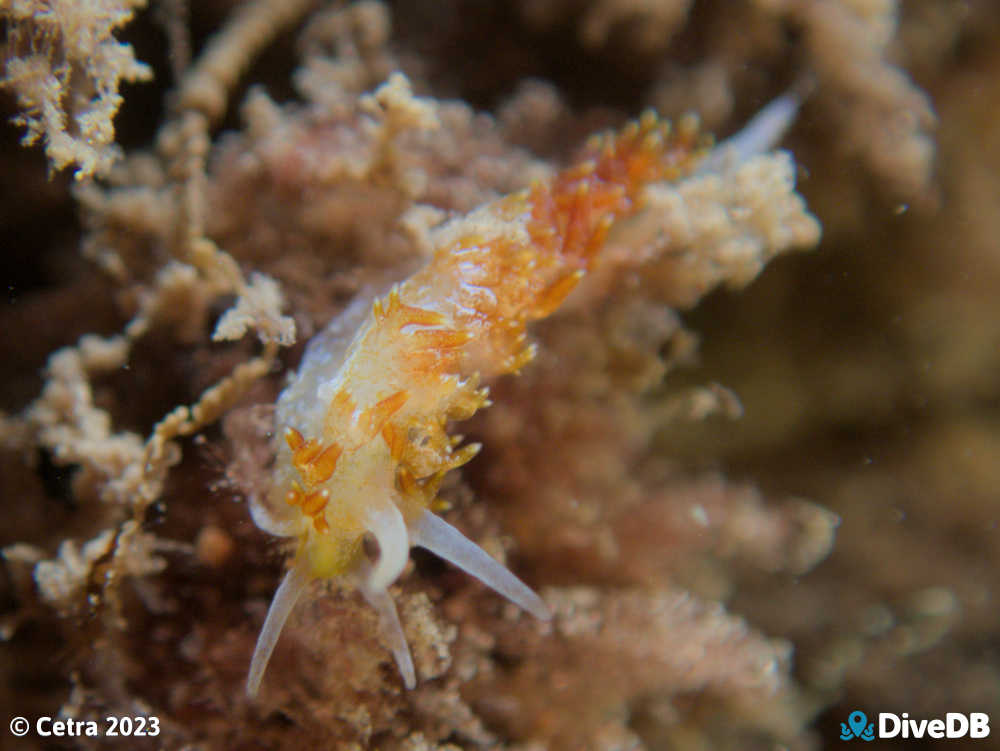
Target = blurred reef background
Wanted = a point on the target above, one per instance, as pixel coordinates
(756, 498)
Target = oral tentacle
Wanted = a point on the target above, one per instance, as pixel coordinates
(292, 586)
(434, 533)
(392, 629)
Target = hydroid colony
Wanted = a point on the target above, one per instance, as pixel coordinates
(585, 475)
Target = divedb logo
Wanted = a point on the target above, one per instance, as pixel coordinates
(953, 725)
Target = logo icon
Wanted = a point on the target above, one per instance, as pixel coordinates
(857, 726)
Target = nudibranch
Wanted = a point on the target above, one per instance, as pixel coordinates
(362, 429)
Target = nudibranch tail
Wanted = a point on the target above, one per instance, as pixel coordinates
(291, 588)
(761, 134)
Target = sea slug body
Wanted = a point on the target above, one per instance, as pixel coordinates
(362, 430)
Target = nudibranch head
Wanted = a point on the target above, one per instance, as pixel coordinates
(345, 472)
